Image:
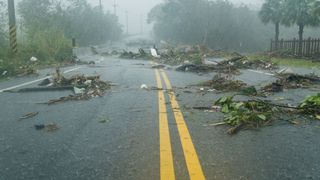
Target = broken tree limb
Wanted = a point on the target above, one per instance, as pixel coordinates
(202, 108)
(276, 105)
(29, 115)
(236, 129)
(217, 124)
(61, 88)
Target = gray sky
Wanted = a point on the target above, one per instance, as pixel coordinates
(140, 8)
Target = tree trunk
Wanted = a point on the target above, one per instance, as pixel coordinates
(301, 28)
(277, 25)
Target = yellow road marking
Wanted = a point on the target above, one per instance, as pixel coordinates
(166, 160)
(190, 154)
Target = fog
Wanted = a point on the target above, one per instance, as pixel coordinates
(138, 11)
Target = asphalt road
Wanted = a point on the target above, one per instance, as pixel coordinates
(146, 135)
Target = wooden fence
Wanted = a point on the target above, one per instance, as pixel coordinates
(310, 47)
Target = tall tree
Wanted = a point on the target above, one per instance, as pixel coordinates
(75, 18)
(272, 11)
(3, 23)
(300, 12)
(317, 8)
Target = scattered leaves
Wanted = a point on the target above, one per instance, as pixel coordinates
(249, 112)
(311, 105)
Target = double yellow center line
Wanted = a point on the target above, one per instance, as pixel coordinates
(166, 158)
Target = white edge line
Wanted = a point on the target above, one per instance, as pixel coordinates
(260, 72)
(35, 81)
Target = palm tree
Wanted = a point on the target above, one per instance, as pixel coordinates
(300, 12)
(272, 11)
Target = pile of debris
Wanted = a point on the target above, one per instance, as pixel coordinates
(256, 113)
(25, 70)
(245, 113)
(131, 55)
(291, 81)
(224, 83)
(230, 66)
(311, 105)
(85, 87)
(242, 62)
(202, 68)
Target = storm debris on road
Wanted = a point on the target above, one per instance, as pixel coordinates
(224, 83)
(103, 120)
(29, 115)
(27, 70)
(230, 66)
(245, 113)
(311, 105)
(85, 87)
(45, 82)
(204, 68)
(242, 62)
(52, 127)
(144, 86)
(158, 66)
(254, 113)
(39, 126)
(291, 81)
(131, 55)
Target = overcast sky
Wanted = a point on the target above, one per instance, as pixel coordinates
(138, 9)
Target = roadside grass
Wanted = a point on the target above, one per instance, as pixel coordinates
(2, 79)
(291, 62)
(306, 63)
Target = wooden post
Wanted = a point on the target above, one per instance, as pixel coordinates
(281, 44)
(318, 45)
(308, 47)
(294, 46)
(304, 48)
(74, 42)
(313, 45)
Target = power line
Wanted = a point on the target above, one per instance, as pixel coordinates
(100, 4)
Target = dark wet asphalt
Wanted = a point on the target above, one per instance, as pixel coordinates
(127, 145)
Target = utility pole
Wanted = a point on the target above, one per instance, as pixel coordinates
(115, 8)
(100, 4)
(141, 23)
(127, 22)
(12, 27)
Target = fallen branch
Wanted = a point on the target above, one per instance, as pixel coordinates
(236, 129)
(217, 124)
(29, 115)
(202, 108)
(38, 89)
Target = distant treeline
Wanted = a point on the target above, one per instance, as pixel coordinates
(74, 18)
(217, 24)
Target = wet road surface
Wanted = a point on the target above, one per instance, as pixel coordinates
(147, 134)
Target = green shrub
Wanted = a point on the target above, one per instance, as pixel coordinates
(51, 45)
